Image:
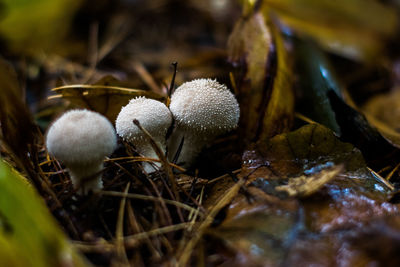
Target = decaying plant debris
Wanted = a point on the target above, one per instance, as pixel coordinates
(310, 176)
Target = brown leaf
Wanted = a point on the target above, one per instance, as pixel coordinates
(264, 79)
(264, 227)
(101, 97)
(258, 228)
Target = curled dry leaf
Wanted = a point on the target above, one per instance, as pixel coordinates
(304, 186)
(101, 97)
(264, 77)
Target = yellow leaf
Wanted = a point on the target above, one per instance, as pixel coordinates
(354, 28)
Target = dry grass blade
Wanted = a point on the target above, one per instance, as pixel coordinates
(119, 232)
(110, 89)
(392, 172)
(186, 251)
(133, 239)
(99, 247)
(224, 176)
(141, 159)
(381, 179)
(149, 198)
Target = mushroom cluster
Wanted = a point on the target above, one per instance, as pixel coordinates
(81, 139)
(202, 109)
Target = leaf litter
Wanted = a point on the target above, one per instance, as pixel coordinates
(276, 192)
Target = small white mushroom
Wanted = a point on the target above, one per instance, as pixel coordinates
(153, 116)
(202, 109)
(81, 139)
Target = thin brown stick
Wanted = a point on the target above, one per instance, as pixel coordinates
(392, 172)
(146, 77)
(162, 157)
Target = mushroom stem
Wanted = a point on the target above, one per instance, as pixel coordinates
(192, 146)
(86, 177)
(148, 151)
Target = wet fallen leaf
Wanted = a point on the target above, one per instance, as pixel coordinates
(307, 150)
(258, 228)
(264, 227)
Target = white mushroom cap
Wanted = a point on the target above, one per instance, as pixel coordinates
(154, 116)
(203, 109)
(205, 106)
(81, 139)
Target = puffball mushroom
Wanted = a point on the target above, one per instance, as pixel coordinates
(202, 109)
(153, 116)
(81, 139)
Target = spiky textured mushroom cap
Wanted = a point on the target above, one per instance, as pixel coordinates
(205, 105)
(81, 137)
(153, 115)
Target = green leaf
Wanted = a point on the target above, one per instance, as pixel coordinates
(29, 235)
(32, 26)
(317, 78)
